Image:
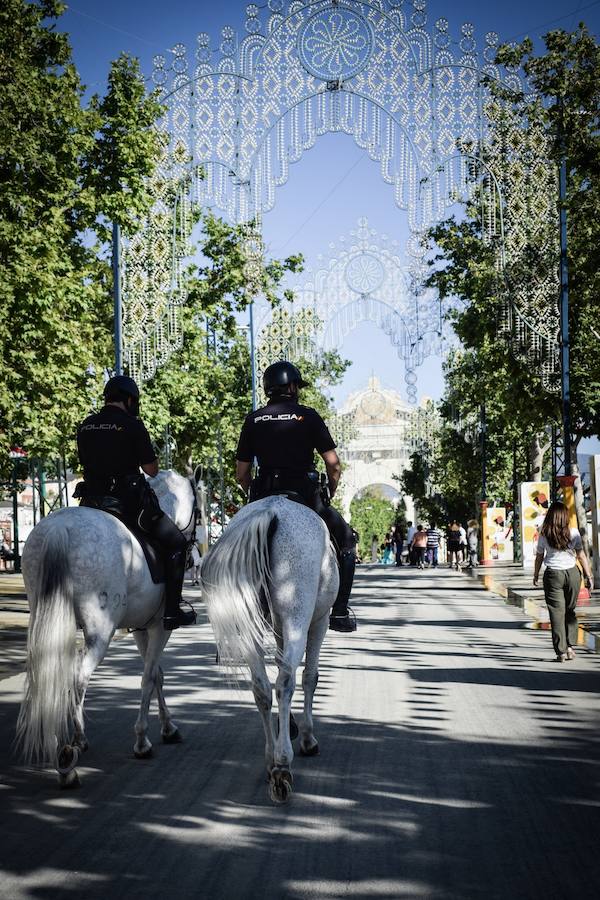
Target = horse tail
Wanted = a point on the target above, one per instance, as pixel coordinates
(50, 688)
(235, 578)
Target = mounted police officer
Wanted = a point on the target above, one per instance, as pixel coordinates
(283, 436)
(113, 445)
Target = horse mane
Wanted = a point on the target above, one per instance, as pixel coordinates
(169, 487)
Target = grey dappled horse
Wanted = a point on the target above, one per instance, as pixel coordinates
(83, 567)
(279, 552)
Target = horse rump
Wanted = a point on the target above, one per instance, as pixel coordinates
(50, 685)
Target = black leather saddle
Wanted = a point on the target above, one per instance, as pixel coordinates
(152, 552)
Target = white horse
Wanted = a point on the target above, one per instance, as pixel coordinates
(83, 567)
(278, 552)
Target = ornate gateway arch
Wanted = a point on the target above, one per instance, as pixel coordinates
(414, 97)
(363, 279)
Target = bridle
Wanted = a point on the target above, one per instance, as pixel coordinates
(194, 515)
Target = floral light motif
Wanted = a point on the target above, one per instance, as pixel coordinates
(336, 45)
(364, 274)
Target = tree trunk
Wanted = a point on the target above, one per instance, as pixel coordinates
(537, 450)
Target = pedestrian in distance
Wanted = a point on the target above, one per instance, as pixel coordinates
(419, 546)
(374, 549)
(433, 546)
(388, 554)
(560, 548)
(409, 539)
(473, 543)
(463, 543)
(398, 542)
(195, 564)
(453, 545)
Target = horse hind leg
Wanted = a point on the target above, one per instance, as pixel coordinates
(169, 731)
(263, 697)
(281, 776)
(310, 677)
(157, 638)
(90, 658)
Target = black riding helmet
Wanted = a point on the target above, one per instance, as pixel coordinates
(119, 388)
(281, 375)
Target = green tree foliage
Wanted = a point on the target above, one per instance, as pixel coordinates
(371, 514)
(414, 482)
(567, 77)
(64, 168)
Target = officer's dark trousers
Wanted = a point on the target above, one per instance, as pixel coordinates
(340, 531)
(174, 546)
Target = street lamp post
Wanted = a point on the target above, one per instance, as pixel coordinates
(118, 308)
(483, 429)
(15, 500)
(252, 355)
(565, 356)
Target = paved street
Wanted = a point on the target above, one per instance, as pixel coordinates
(457, 760)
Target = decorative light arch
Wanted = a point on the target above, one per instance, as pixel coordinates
(415, 98)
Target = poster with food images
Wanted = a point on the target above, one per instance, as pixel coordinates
(499, 534)
(535, 499)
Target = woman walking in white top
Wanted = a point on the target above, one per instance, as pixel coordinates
(560, 547)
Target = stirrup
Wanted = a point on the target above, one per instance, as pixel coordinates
(345, 623)
(182, 617)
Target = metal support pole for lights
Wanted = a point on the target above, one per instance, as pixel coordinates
(483, 426)
(252, 355)
(565, 360)
(15, 500)
(118, 309)
(516, 522)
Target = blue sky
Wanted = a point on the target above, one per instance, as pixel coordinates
(333, 184)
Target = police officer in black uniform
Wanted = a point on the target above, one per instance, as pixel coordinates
(113, 445)
(283, 436)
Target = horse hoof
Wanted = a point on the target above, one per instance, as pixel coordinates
(173, 738)
(309, 751)
(146, 753)
(69, 781)
(280, 785)
(67, 760)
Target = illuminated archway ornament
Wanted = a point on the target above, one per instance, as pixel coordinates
(416, 98)
(363, 279)
(335, 44)
(364, 274)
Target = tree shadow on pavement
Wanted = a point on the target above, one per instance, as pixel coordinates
(385, 811)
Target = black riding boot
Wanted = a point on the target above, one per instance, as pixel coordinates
(340, 618)
(174, 571)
